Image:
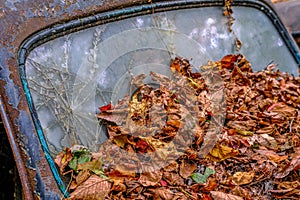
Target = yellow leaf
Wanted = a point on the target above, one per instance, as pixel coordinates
(220, 152)
(244, 133)
(242, 178)
(121, 140)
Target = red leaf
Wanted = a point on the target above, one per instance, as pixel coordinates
(163, 183)
(141, 146)
(206, 197)
(105, 108)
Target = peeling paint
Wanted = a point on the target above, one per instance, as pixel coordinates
(27, 129)
(57, 8)
(11, 4)
(10, 87)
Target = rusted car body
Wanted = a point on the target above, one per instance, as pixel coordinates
(28, 24)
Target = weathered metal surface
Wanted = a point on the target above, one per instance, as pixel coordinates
(19, 20)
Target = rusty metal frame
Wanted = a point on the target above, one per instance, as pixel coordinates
(21, 30)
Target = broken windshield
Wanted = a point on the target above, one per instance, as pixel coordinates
(72, 76)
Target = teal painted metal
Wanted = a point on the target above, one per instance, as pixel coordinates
(40, 133)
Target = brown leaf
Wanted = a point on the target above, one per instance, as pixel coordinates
(121, 140)
(242, 178)
(175, 66)
(94, 188)
(281, 108)
(119, 186)
(293, 165)
(173, 166)
(63, 158)
(272, 155)
(239, 191)
(267, 141)
(173, 178)
(142, 146)
(82, 176)
(114, 116)
(210, 185)
(228, 61)
(150, 178)
(120, 174)
(223, 196)
(186, 168)
(161, 193)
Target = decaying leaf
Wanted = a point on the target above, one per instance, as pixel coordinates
(63, 158)
(187, 168)
(150, 178)
(94, 188)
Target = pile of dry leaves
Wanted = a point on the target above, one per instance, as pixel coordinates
(224, 133)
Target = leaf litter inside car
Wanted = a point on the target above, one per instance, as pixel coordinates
(171, 141)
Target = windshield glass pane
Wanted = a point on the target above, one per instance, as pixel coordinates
(72, 76)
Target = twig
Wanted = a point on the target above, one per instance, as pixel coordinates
(291, 125)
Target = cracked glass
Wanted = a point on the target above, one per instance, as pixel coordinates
(70, 77)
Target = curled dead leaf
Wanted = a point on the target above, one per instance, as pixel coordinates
(186, 168)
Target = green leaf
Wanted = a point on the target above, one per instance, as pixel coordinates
(79, 157)
(73, 163)
(84, 158)
(209, 171)
(201, 178)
